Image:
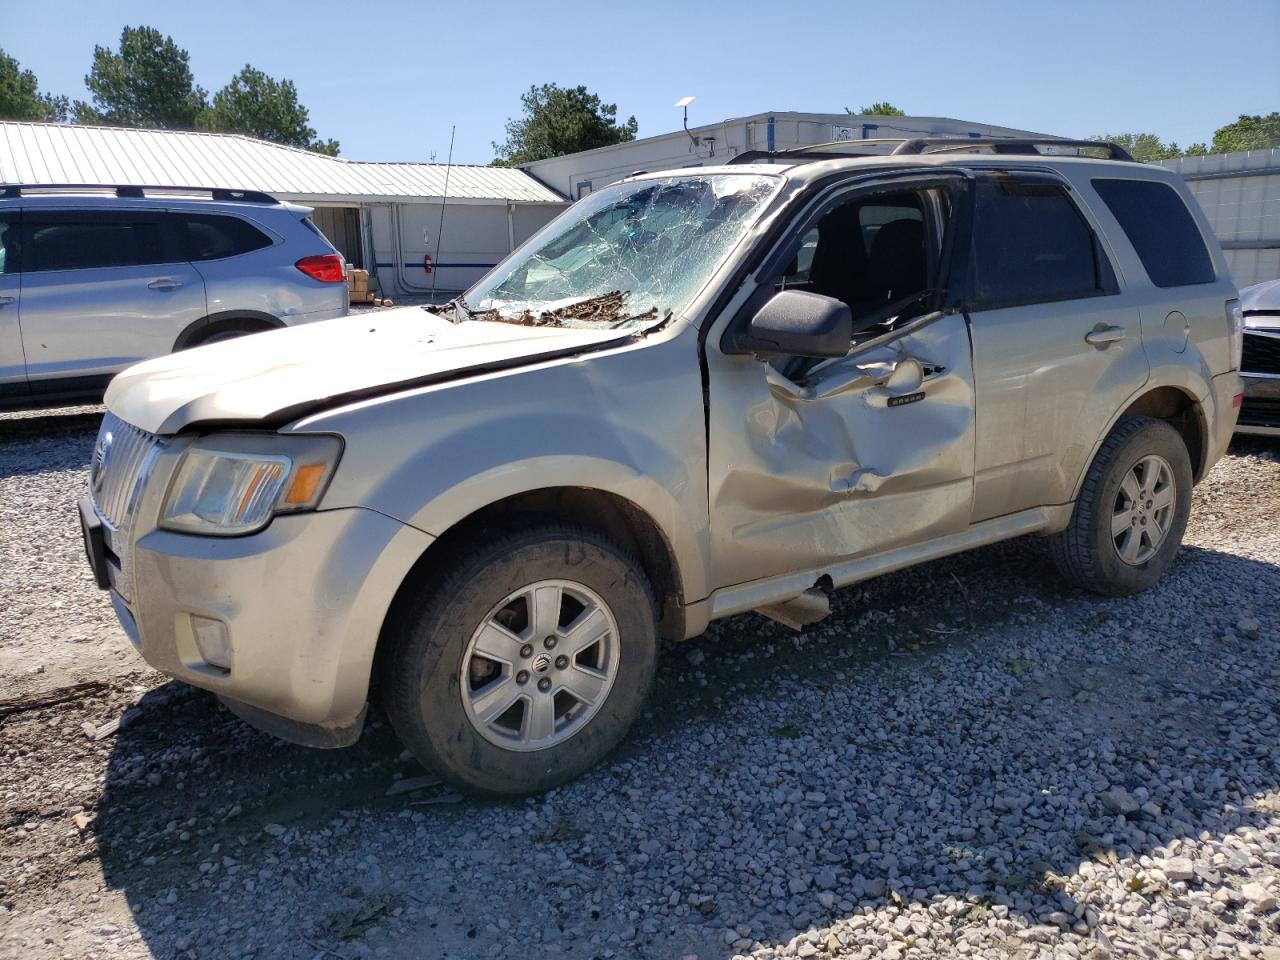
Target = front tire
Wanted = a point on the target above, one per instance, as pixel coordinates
(1132, 511)
(526, 664)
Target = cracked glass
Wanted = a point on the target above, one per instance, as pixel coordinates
(627, 256)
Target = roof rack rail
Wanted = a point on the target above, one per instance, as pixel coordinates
(848, 148)
(831, 150)
(1015, 145)
(11, 191)
(768, 156)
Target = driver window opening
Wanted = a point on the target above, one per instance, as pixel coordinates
(875, 254)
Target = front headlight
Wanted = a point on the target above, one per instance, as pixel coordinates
(233, 484)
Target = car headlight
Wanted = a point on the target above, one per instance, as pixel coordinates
(232, 484)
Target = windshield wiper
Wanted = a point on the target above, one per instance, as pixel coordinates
(459, 306)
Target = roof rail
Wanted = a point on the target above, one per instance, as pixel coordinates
(832, 149)
(768, 156)
(918, 145)
(1016, 145)
(11, 191)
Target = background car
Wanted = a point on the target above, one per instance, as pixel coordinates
(1260, 365)
(93, 279)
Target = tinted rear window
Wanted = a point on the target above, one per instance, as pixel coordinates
(1031, 245)
(78, 241)
(1161, 229)
(212, 237)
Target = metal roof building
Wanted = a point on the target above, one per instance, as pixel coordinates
(384, 216)
(577, 174)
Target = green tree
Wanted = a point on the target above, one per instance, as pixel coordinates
(559, 120)
(1248, 133)
(260, 106)
(881, 108)
(1144, 147)
(148, 83)
(20, 96)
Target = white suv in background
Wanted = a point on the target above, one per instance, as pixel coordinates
(93, 279)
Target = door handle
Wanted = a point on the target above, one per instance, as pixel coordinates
(164, 283)
(1104, 335)
(7, 300)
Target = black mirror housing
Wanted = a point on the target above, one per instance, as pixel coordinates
(796, 323)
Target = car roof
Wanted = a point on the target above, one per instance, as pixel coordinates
(106, 198)
(806, 169)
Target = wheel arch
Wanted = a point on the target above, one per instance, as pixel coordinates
(229, 319)
(613, 516)
(1178, 406)
(1182, 411)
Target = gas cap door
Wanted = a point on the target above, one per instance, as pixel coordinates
(1178, 329)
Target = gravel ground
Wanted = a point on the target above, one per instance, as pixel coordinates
(967, 759)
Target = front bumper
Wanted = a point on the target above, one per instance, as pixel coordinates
(1260, 412)
(302, 603)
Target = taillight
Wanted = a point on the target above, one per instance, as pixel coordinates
(1235, 319)
(327, 268)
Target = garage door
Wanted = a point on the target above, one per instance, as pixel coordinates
(342, 226)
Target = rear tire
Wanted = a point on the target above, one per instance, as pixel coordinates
(1132, 510)
(226, 330)
(526, 664)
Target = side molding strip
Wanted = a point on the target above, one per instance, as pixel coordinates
(762, 593)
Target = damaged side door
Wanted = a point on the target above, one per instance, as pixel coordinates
(814, 462)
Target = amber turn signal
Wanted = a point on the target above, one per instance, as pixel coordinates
(306, 482)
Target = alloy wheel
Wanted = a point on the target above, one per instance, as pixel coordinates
(1144, 510)
(540, 665)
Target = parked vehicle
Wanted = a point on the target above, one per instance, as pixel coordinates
(656, 413)
(93, 279)
(1260, 366)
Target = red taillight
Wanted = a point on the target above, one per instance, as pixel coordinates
(1238, 401)
(327, 268)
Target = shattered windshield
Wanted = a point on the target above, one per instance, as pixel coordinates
(626, 256)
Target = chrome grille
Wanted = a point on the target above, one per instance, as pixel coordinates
(1261, 353)
(119, 457)
(122, 458)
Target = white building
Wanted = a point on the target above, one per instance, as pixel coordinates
(577, 174)
(382, 216)
(1240, 192)
(387, 216)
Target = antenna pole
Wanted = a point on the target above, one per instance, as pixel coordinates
(444, 200)
(692, 139)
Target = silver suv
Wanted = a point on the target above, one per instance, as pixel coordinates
(93, 279)
(695, 393)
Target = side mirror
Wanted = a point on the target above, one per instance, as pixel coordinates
(796, 323)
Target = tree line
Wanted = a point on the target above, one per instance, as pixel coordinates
(1247, 132)
(148, 82)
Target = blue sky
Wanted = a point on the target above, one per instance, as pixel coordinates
(389, 81)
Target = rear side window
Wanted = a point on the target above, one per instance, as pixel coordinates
(85, 240)
(1031, 245)
(212, 237)
(1161, 229)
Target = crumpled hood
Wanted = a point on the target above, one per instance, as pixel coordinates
(277, 375)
